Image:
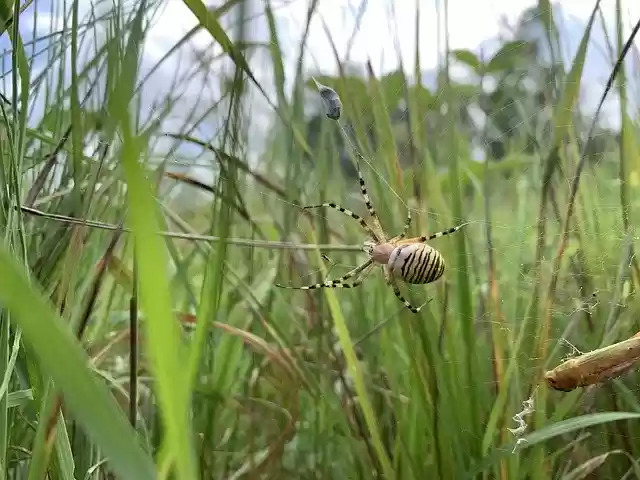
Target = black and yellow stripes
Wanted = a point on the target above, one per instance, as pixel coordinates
(419, 264)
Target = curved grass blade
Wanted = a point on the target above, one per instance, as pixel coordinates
(209, 20)
(60, 355)
(552, 431)
(164, 348)
(353, 366)
(165, 351)
(586, 469)
(196, 237)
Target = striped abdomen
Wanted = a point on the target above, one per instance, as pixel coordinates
(416, 263)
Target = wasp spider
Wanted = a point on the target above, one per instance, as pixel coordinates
(411, 260)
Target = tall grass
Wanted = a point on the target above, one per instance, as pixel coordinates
(136, 355)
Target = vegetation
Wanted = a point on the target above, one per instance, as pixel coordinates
(128, 354)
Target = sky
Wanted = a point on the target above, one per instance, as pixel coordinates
(471, 23)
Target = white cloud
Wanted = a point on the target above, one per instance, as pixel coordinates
(470, 23)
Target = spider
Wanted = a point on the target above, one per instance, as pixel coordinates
(411, 260)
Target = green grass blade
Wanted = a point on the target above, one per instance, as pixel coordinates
(354, 369)
(563, 113)
(60, 356)
(164, 348)
(166, 352)
(551, 431)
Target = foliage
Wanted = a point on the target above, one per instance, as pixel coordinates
(137, 355)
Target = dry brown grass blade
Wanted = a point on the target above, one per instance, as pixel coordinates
(238, 207)
(279, 356)
(197, 237)
(49, 162)
(52, 421)
(122, 275)
(573, 191)
(595, 367)
(259, 178)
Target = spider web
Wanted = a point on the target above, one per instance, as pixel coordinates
(592, 294)
(579, 306)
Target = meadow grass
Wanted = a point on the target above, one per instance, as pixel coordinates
(139, 355)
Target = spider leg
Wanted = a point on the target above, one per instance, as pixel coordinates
(426, 238)
(363, 189)
(349, 213)
(367, 201)
(357, 281)
(407, 225)
(396, 292)
(338, 282)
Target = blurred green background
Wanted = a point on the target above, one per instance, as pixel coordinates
(132, 355)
